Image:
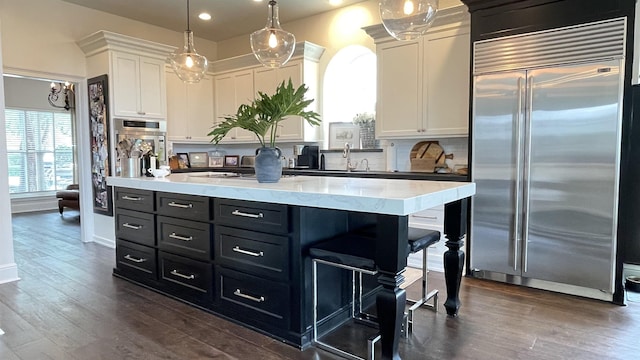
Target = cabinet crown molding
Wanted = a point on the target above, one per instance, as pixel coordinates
(445, 19)
(304, 50)
(103, 40)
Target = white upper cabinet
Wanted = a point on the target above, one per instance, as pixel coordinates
(399, 95)
(231, 90)
(242, 80)
(189, 109)
(423, 85)
(446, 87)
(138, 86)
(135, 69)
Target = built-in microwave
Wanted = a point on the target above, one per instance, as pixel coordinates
(152, 132)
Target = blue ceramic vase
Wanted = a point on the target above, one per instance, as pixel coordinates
(268, 166)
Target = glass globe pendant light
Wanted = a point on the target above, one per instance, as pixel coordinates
(186, 62)
(407, 19)
(273, 46)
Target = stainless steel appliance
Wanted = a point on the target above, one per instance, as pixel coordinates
(545, 158)
(152, 132)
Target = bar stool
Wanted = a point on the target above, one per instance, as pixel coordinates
(421, 240)
(418, 240)
(355, 251)
(352, 252)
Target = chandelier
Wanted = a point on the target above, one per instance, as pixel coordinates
(407, 19)
(271, 45)
(187, 63)
(59, 90)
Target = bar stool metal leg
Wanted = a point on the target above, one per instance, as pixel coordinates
(423, 302)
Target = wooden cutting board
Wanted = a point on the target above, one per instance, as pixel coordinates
(427, 155)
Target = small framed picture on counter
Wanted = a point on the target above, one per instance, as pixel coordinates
(341, 133)
(216, 161)
(199, 159)
(231, 160)
(183, 161)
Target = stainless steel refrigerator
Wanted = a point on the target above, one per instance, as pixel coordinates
(545, 160)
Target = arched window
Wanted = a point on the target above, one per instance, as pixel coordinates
(349, 85)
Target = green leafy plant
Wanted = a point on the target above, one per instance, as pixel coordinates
(263, 115)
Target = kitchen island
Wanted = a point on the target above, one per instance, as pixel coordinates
(239, 248)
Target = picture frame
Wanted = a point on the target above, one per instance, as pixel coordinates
(344, 132)
(216, 161)
(183, 160)
(98, 92)
(198, 159)
(231, 161)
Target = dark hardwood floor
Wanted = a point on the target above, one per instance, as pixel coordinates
(68, 306)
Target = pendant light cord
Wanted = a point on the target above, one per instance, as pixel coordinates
(188, 25)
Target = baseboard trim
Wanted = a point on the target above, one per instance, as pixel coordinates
(104, 241)
(8, 273)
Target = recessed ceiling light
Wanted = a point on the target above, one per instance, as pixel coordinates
(204, 16)
(335, 2)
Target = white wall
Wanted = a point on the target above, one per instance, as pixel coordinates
(39, 40)
(41, 34)
(8, 267)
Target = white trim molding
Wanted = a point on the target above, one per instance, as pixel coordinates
(8, 273)
(104, 241)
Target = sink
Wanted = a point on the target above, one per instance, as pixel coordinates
(219, 175)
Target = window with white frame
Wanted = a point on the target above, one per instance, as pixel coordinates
(39, 150)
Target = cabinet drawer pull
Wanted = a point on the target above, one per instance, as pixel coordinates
(240, 213)
(130, 226)
(142, 113)
(137, 198)
(188, 277)
(247, 252)
(179, 237)
(425, 217)
(135, 260)
(181, 206)
(249, 297)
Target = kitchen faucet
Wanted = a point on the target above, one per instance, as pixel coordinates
(346, 153)
(366, 168)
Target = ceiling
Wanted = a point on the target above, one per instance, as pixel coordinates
(231, 18)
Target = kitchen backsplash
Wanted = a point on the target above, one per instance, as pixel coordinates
(394, 157)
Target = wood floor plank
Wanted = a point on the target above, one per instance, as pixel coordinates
(69, 306)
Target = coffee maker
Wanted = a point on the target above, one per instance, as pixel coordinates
(307, 156)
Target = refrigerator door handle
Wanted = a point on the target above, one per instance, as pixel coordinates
(518, 136)
(527, 177)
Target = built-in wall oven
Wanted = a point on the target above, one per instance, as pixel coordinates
(152, 132)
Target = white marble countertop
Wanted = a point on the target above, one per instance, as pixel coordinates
(381, 196)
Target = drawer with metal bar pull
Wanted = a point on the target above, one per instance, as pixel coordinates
(270, 218)
(136, 226)
(183, 206)
(261, 254)
(253, 297)
(134, 199)
(185, 237)
(186, 277)
(137, 260)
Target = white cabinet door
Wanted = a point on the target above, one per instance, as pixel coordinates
(177, 128)
(399, 102)
(291, 128)
(244, 94)
(446, 99)
(152, 88)
(138, 86)
(189, 109)
(200, 109)
(232, 90)
(126, 85)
